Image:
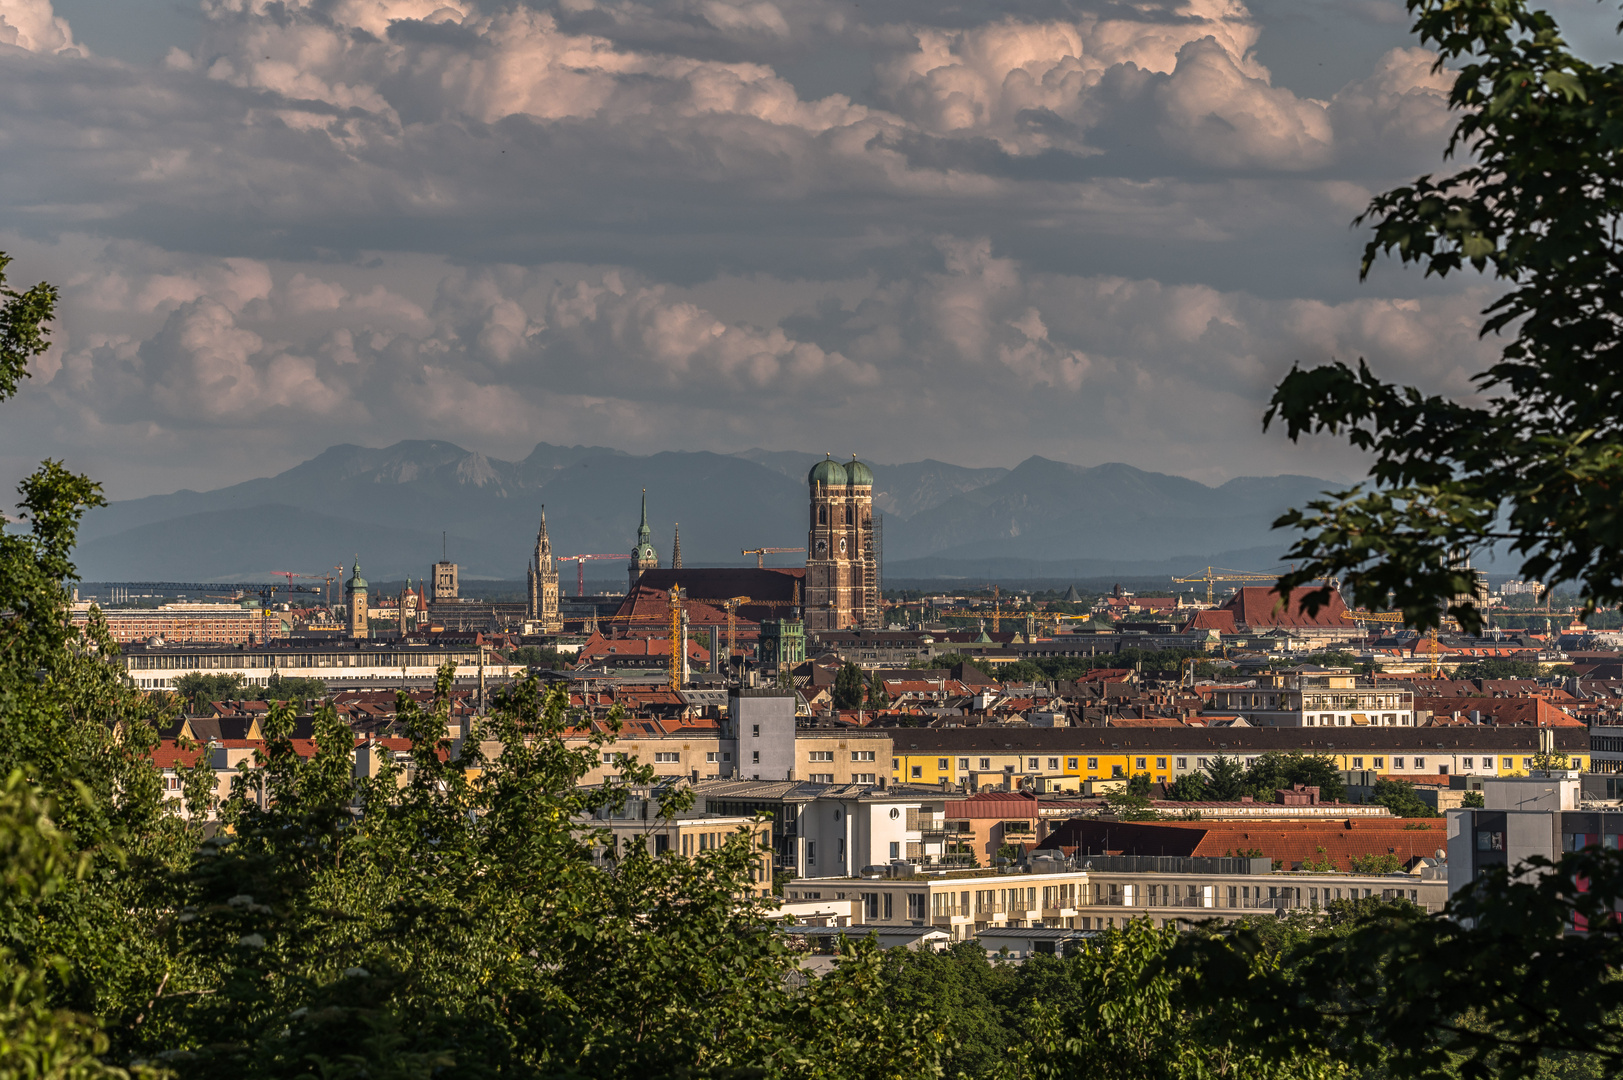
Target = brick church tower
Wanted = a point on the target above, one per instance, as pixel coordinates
(842, 570)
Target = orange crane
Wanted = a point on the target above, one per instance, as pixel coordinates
(761, 553)
(580, 562)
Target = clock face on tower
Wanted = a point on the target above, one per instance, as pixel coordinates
(822, 548)
(842, 547)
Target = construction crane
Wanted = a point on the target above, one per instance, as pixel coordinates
(1215, 574)
(1394, 618)
(761, 553)
(580, 562)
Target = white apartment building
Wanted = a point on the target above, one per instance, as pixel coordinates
(1316, 699)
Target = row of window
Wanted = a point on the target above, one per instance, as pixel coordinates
(1418, 764)
(828, 755)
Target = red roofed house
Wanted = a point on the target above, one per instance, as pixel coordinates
(986, 821)
(1293, 845)
(1258, 609)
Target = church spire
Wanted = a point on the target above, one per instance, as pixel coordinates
(676, 548)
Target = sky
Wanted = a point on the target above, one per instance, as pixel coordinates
(903, 229)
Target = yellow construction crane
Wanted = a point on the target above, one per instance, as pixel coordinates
(1215, 574)
(761, 553)
(1395, 618)
(678, 653)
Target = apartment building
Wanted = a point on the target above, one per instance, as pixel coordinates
(1308, 698)
(1544, 814)
(1065, 759)
(156, 667)
(1107, 893)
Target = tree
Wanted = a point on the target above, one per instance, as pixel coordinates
(1535, 458)
(1497, 668)
(848, 687)
(1190, 787)
(877, 698)
(1140, 784)
(197, 689)
(1472, 800)
(1274, 770)
(536, 656)
(1225, 778)
(1399, 797)
(1375, 863)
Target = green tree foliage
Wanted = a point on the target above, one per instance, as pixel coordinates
(1383, 862)
(1225, 778)
(197, 689)
(1190, 787)
(1492, 989)
(537, 657)
(1399, 797)
(848, 687)
(1535, 457)
(1472, 800)
(1273, 771)
(1497, 668)
(1140, 784)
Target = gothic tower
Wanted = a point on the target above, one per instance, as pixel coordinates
(842, 573)
(355, 593)
(676, 548)
(544, 582)
(643, 556)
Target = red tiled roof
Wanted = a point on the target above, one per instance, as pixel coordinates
(1519, 710)
(1260, 606)
(1221, 620)
(1289, 842)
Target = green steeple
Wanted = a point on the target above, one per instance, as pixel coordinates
(356, 582)
(645, 535)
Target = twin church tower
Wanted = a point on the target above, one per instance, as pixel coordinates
(842, 565)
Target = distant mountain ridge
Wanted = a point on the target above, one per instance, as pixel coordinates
(390, 506)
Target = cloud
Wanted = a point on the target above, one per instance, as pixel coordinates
(1083, 229)
(35, 26)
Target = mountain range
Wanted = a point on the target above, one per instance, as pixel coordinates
(398, 507)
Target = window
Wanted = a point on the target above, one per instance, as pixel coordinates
(1031, 764)
(755, 729)
(1093, 763)
(1053, 764)
(1420, 763)
(895, 763)
(1160, 763)
(811, 852)
(755, 757)
(860, 755)
(821, 777)
(820, 755)
(1397, 763)
(1143, 763)
(710, 757)
(1487, 840)
(1509, 763)
(1527, 763)
(1380, 763)
(1469, 763)
(941, 763)
(963, 764)
(667, 757)
(1070, 763)
(895, 850)
(608, 759)
(918, 771)
(1183, 763)
(859, 778)
(1358, 763)
(986, 764)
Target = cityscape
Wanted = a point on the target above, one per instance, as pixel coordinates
(801, 540)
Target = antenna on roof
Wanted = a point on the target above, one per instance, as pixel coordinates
(444, 554)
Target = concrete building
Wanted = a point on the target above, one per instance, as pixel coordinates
(997, 755)
(1309, 698)
(761, 722)
(338, 663)
(543, 583)
(1543, 814)
(216, 624)
(842, 568)
(1106, 893)
(444, 576)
